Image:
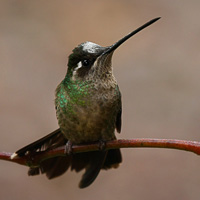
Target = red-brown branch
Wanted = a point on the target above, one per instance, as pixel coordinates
(36, 158)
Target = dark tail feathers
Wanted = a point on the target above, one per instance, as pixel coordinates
(92, 162)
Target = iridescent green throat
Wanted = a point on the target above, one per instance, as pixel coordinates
(73, 92)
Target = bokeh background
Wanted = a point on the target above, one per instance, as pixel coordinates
(158, 71)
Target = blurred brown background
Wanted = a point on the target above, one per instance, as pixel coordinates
(158, 71)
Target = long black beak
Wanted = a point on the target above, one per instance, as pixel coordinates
(121, 41)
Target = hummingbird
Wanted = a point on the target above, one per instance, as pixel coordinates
(88, 108)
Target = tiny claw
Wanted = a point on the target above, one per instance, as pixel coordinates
(102, 145)
(68, 148)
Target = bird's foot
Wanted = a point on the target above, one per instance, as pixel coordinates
(68, 148)
(102, 145)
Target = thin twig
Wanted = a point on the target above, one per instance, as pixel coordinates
(36, 158)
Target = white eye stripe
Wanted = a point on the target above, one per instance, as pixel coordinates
(79, 65)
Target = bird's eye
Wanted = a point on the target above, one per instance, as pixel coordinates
(85, 63)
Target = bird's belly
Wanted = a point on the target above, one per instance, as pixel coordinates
(88, 124)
